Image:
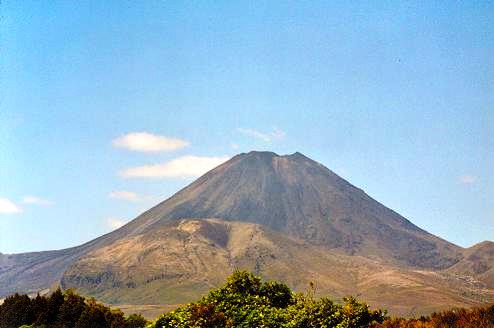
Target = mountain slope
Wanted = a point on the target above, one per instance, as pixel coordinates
(298, 196)
(295, 204)
(478, 261)
(32, 272)
(180, 261)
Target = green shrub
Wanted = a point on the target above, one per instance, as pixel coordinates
(135, 321)
(245, 301)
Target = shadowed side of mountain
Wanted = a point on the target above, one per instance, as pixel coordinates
(184, 259)
(298, 196)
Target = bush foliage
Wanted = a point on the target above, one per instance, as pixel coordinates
(457, 318)
(244, 301)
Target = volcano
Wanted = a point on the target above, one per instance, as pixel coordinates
(283, 217)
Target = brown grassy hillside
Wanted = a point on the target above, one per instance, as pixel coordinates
(183, 260)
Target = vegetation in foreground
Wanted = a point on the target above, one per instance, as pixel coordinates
(457, 318)
(63, 310)
(244, 301)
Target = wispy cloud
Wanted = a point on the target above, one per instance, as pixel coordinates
(274, 134)
(182, 167)
(467, 179)
(114, 223)
(8, 207)
(277, 133)
(124, 195)
(34, 200)
(148, 142)
(255, 134)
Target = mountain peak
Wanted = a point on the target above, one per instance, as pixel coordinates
(289, 199)
(295, 195)
(297, 154)
(271, 158)
(270, 154)
(258, 155)
(261, 153)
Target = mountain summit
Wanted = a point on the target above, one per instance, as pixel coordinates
(300, 197)
(283, 217)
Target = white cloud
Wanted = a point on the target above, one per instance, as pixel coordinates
(255, 134)
(124, 195)
(8, 207)
(33, 200)
(278, 133)
(274, 134)
(234, 146)
(147, 142)
(182, 167)
(467, 179)
(114, 223)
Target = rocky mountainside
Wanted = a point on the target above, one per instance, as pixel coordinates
(183, 259)
(478, 261)
(298, 196)
(285, 217)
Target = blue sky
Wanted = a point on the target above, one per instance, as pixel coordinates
(108, 108)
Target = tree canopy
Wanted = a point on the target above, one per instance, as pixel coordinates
(63, 310)
(246, 301)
